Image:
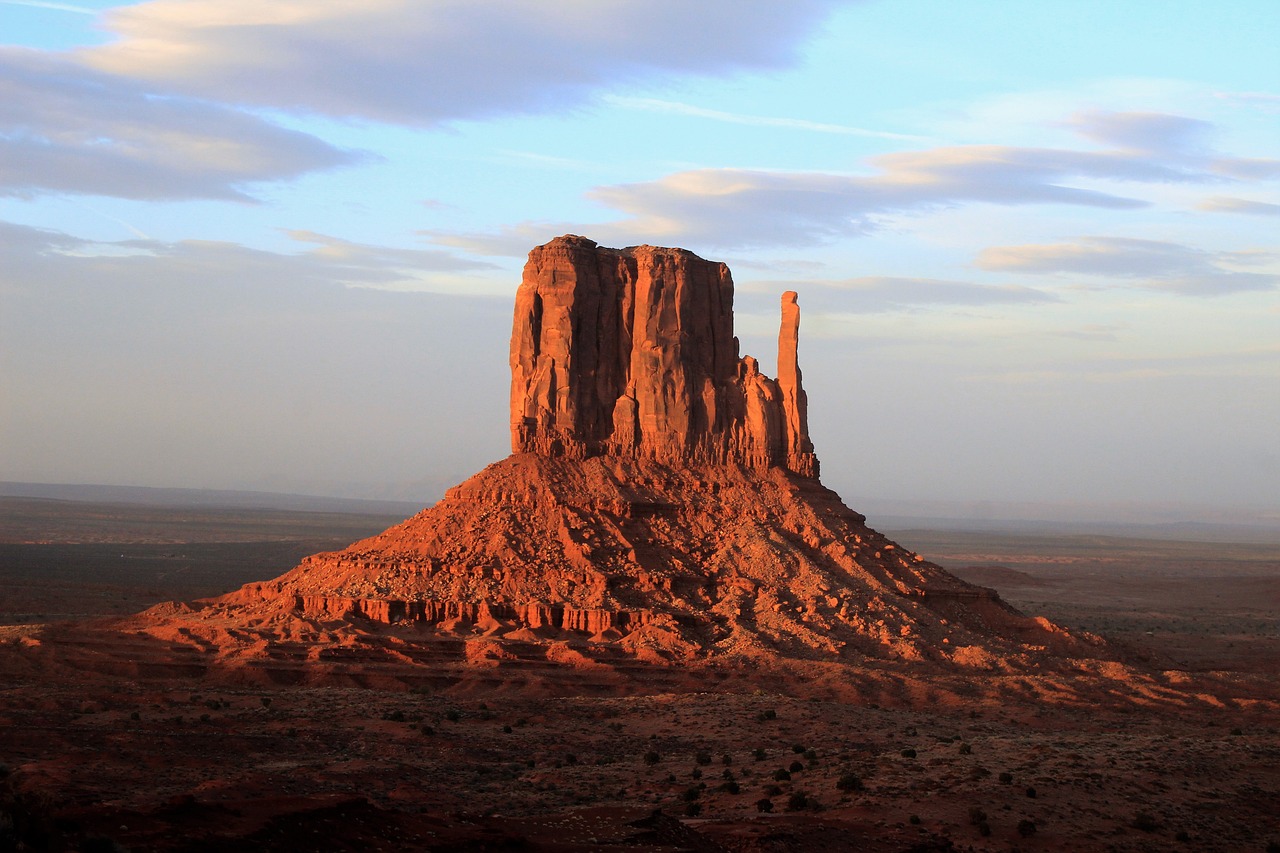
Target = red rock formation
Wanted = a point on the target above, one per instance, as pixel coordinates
(631, 352)
(662, 500)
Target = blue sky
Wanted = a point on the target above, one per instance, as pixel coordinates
(274, 245)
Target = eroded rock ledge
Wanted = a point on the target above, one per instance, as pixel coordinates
(631, 352)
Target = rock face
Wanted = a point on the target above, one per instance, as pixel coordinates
(662, 504)
(631, 352)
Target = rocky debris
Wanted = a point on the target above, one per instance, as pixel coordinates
(631, 352)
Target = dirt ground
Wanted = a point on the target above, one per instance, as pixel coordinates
(739, 761)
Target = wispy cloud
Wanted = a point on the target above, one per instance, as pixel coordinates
(881, 294)
(676, 108)
(740, 208)
(57, 7)
(65, 128)
(1159, 265)
(1227, 204)
(33, 256)
(414, 63)
(1265, 101)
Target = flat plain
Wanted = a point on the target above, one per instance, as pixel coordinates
(741, 763)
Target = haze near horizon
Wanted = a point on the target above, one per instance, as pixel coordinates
(274, 247)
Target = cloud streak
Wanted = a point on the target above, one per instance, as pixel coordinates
(1159, 265)
(744, 208)
(64, 128)
(423, 63)
(1227, 204)
(883, 294)
(676, 108)
(33, 256)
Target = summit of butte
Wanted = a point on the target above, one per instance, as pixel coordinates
(661, 506)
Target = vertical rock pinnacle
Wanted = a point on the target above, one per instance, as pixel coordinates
(795, 403)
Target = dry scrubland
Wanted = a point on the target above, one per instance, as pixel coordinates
(185, 764)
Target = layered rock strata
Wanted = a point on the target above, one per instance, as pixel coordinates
(631, 352)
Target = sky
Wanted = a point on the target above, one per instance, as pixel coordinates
(274, 246)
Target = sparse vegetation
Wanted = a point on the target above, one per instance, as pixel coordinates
(849, 782)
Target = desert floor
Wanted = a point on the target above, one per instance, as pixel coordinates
(95, 762)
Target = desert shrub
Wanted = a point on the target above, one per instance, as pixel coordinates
(1005, 778)
(396, 716)
(797, 748)
(781, 775)
(453, 715)
(506, 730)
(731, 787)
(428, 730)
(692, 809)
(849, 782)
(1031, 793)
(266, 701)
(764, 805)
(703, 758)
(691, 793)
(135, 716)
(696, 773)
(976, 815)
(984, 829)
(796, 767)
(1026, 828)
(908, 753)
(810, 755)
(909, 731)
(797, 801)
(772, 790)
(914, 820)
(726, 759)
(1184, 836)
(651, 758)
(965, 749)
(759, 754)
(570, 758)
(1145, 822)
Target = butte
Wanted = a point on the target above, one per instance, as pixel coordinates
(661, 506)
(661, 509)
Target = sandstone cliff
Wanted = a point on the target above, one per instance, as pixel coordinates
(631, 352)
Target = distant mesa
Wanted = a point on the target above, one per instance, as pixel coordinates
(661, 505)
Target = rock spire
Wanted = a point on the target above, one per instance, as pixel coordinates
(631, 352)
